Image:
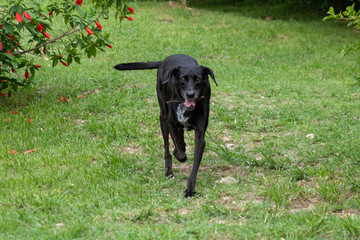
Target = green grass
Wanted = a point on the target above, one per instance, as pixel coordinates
(98, 169)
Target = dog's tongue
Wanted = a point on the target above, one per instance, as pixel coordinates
(189, 103)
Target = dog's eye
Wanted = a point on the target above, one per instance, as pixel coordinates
(183, 79)
(198, 80)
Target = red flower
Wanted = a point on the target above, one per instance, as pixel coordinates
(89, 31)
(80, 96)
(131, 10)
(44, 50)
(98, 25)
(8, 51)
(31, 150)
(37, 66)
(0, 46)
(14, 112)
(42, 15)
(64, 63)
(9, 96)
(64, 99)
(12, 152)
(18, 17)
(30, 120)
(2, 94)
(108, 45)
(26, 74)
(12, 70)
(4, 81)
(40, 28)
(1, 26)
(129, 18)
(11, 37)
(50, 13)
(46, 35)
(78, 2)
(27, 16)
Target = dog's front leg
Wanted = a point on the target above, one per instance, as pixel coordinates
(168, 161)
(199, 150)
(177, 135)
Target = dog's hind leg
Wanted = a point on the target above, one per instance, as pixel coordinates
(168, 161)
(180, 146)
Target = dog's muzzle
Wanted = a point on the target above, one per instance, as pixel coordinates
(189, 104)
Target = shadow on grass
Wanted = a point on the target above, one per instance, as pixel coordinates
(288, 10)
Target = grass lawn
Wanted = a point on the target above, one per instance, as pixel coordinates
(284, 132)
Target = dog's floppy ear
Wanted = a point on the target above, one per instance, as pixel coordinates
(171, 73)
(208, 71)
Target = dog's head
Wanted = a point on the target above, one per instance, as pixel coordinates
(190, 82)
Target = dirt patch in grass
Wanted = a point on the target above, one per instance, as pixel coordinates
(299, 204)
(166, 19)
(91, 91)
(228, 141)
(228, 100)
(347, 213)
(131, 149)
(80, 121)
(222, 170)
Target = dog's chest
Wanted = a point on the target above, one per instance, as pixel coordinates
(180, 115)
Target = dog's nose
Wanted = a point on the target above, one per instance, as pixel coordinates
(190, 95)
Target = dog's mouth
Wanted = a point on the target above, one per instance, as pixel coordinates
(189, 104)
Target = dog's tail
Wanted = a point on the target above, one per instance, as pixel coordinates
(137, 66)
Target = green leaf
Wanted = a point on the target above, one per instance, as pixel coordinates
(32, 70)
(69, 60)
(356, 85)
(77, 60)
(45, 22)
(328, 17)
(31, 29)
(66, 19)
(10, 56)
(15, 87)
(8, 28)
(117, 15)
(79, 9)
(91, 51)
(55, 61)
(14, 65)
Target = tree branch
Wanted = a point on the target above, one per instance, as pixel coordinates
(48, 42)
(56, 38)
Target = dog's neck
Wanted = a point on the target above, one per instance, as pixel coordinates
(180, 111)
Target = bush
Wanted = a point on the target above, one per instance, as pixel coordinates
(353, 17)
(27, 28)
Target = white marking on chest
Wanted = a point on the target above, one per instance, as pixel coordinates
(181, 109)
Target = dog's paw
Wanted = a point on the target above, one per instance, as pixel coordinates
(169, 175)
(172, 176)
(180, 156)
(189, 193)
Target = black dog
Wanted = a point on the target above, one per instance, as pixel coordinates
(183, 91)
